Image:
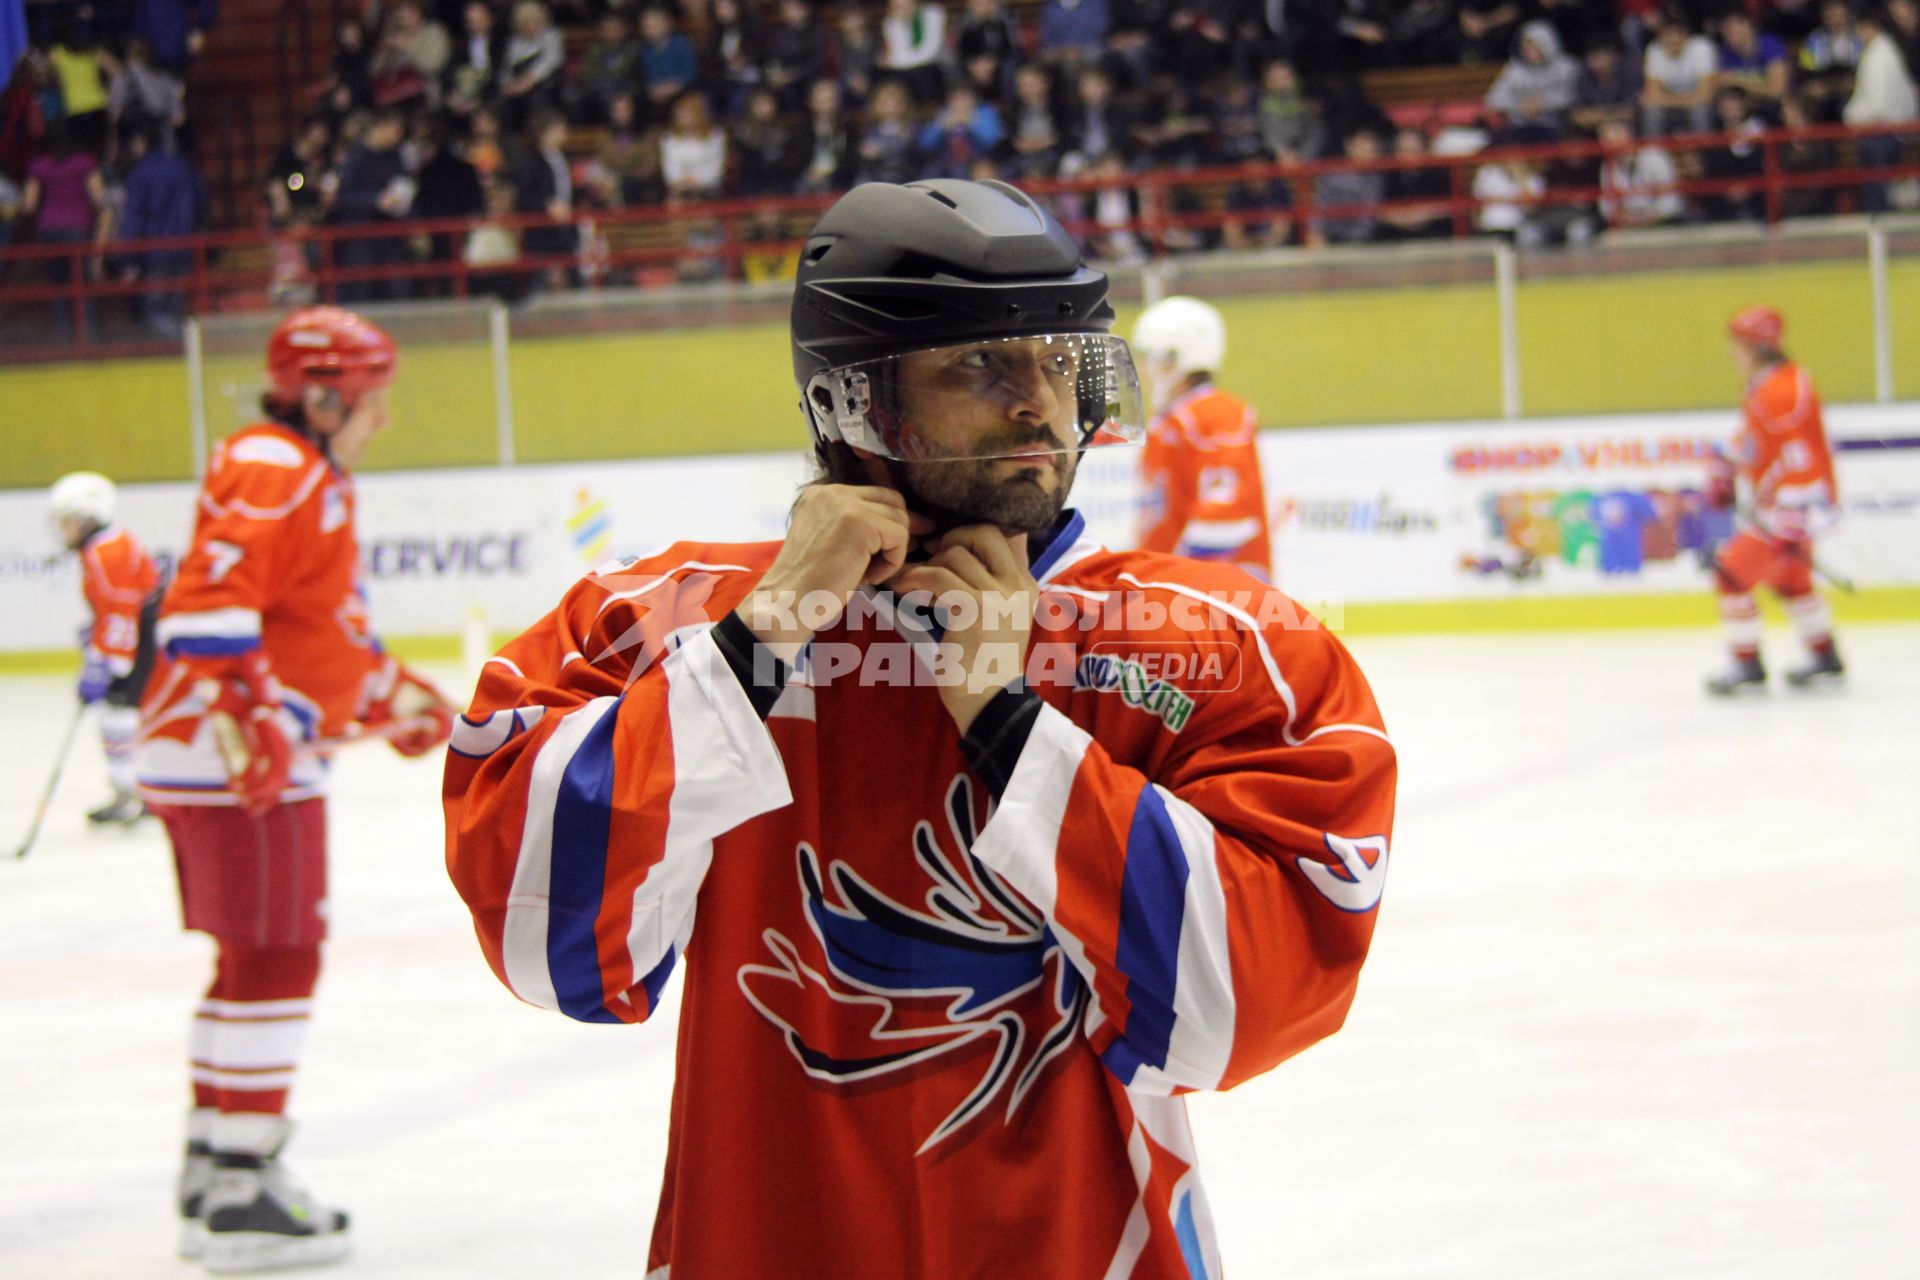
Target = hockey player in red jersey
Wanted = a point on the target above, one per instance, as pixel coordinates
(967, 895)
(121, 585)
(267, 632)
(1782, 460)
(1201, 466)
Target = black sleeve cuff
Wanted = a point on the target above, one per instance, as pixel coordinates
(998, 735)
(748, 658)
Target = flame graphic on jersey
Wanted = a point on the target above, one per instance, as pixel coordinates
(901, 986)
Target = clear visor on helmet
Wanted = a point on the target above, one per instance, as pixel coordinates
(994, 398)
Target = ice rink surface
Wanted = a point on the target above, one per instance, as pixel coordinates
(1644, 1002)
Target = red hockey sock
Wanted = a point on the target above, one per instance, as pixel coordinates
(249, 1031)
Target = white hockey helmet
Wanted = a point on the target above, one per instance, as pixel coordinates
(82, 495)
(1185, 332)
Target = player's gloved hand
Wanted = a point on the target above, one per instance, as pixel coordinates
(243, 702)
(1788, 524)
(415, 714)
(1722, 488)
(94, 678)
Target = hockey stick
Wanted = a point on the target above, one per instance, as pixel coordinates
(1799, 551)
(53, 783)
(384, 732)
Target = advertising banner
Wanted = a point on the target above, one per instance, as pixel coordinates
(1440, 511)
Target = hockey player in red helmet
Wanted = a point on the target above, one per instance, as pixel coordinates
(269, 648)
(964, 902)
(1782, 460)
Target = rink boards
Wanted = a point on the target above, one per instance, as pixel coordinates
(1493, 515)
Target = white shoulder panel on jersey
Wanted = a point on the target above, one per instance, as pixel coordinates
(268, 450)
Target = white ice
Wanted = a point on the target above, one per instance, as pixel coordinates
(1644, 1002)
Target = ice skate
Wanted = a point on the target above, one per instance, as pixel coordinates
(259, 1217)
(1745, 676)
(1823, 670)
(196, 1179)
(123, 810)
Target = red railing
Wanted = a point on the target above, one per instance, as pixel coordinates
(234, 270)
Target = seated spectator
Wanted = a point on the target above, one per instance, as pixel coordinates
(887, 147)
(693, 151)
(771, 152)
(65, 192)
(794, 53)
(610, 67)
(1072, 29)
(1609, 88)
(413, 54)
(1350, 197)
(1883, 94)
(1828, 57)
(1114, 212)
(1402, 218)
(175, 30)
(1537, 87)
(1486, 29)
(530, 68)
(1803, 155)
(543, 184)
(1637, 181)
(449, 187)
(81, 74)
(1038, 137)
(1739, 159)
(913, 39)
(298, 181)
(1236, 124)
(730, 62)
(829, 141)
(475, 63)
(1752, 60)
(165, 198)
(374, 188)
(484, 148)
(1903, 18)
(965, 130)
(856, 53)
(1505, 190)
(1097, 125)
(667, 62)
(350, 84)
(1197, 40)
(493, 244)
(626, 169)
(145, 95)
(1680, 69)
(1290, 122)
(1172, 132)
(1133, 36)
(987, 42)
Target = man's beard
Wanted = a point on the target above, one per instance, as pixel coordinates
(981, 491)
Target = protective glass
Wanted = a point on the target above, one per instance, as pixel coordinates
(995, 398)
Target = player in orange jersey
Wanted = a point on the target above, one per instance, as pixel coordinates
(266, 628)
(1782, 461)
(1201, 468)
(122, 588)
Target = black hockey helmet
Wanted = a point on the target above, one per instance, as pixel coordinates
(893, 270)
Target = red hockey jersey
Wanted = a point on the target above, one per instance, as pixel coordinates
(1201, 472)
(925, 1035)
(274, 566)
(1783, 455)
(116, 577)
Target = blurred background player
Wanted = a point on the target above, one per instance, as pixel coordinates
(267, 632)
(1200, 468)
(122, 588)
(1782, 459)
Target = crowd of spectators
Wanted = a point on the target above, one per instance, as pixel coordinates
(95, 149)
(483, 109)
